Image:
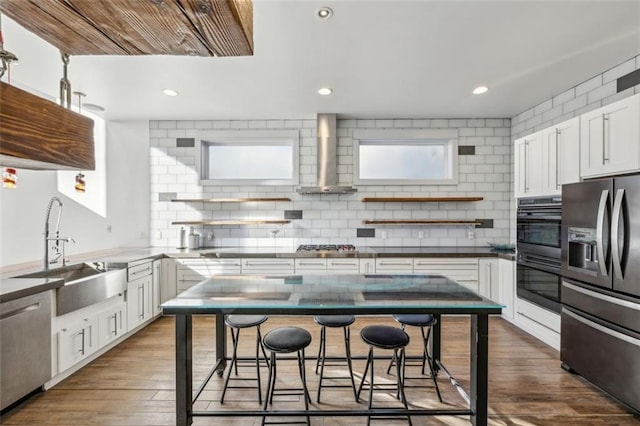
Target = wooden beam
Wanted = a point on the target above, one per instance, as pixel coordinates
(139, 27)
(35, 129)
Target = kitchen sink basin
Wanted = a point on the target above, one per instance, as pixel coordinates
(84, 285)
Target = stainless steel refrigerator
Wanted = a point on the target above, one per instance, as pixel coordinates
(600, 318)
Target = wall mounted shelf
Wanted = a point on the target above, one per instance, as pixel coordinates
(422, 222)
(420, 199)
(227, 200)
(232, 222)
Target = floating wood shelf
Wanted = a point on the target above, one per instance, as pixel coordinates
(227, 200)
(232, 222)
(420, 199)
(422, 222)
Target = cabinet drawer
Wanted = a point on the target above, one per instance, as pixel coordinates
(343, 265)
(138, 271)
(403, 265)
(303, 265)
(280, 266)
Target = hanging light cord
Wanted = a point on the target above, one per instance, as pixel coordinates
(65, 84)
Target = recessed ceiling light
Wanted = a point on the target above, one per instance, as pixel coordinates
(170, 92)
(325, 91)
(324, 13)
(480, 90)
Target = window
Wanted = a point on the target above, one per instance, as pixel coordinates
(406, 157)
(252, 158)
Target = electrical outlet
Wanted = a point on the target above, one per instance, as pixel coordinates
(420, 235)
(471, 234)
(159, 235)
(108, 228)
(383, 234)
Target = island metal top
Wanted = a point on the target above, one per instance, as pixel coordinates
(327, 294)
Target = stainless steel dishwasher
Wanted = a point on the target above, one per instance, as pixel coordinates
(25, 346)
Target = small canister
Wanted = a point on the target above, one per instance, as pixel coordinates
(194, 241)
(183, 238)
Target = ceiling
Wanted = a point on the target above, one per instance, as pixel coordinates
(383, 59)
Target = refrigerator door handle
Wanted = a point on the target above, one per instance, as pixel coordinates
(615, 223)
(602, 261)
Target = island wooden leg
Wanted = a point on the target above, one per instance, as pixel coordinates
(184, 372)
(479, 369)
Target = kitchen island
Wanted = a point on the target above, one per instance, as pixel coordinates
(331, 294)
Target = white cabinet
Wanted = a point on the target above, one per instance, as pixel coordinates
(268, 266)
(311, 266)
(190, 272)
(506, 290)
(394, 265)
(560, 151)
(489, 279)
(155, 287)
(139, 294)
(528, 165)
(367, 266)
(609, 139)
(464, 270)
(77, 340)
(168, 281)
(349, 265)
(112, 323)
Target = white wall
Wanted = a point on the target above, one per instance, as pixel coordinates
(22, 210)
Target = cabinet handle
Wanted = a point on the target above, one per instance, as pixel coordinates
(394, 264)
(605, 122)
(115, 324)
(82, 348)
(344, 263)
(526, 168)
(247, 263)
(557, 158)
(141, 302)
(311, 263)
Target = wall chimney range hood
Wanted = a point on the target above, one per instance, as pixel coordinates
(327, 160)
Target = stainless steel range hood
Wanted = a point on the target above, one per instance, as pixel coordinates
(327, 160)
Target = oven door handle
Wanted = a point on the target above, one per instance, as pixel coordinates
(602, 261)
(542, 266)
(534, 218)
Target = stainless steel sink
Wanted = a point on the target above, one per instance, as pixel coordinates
(85, 284)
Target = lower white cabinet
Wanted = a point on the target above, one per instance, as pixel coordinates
(311, 266)
(155, 287)
(268, 266)
(464, 270)
(489, 278)
(168, 280)
(76, 341)
(394, 265)
(112, 323)
(349, 265)
(139, 301)
(506, 289)
(190, 272)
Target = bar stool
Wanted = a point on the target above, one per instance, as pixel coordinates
(423, 321)
(390, 338)
(334, 321)
(235, 324)
(285, 340)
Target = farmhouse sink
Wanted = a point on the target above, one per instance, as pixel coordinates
(84, 285)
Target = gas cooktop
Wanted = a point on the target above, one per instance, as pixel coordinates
(344, 248)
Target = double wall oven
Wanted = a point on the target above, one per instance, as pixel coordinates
(539, 255)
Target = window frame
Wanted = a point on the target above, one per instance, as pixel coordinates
(248, 137)
(414, 137)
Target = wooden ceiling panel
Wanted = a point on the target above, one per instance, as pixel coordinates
(139, 27)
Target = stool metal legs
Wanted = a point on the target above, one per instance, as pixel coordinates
(235, 337)
(426, 359)
(399, 355)
(322, 355)
(271, 383)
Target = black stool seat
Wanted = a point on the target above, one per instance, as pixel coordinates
(416, 320)
(384, 337)
(335, 320)
(244, 321)
(287, 339)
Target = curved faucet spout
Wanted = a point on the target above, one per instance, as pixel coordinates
(46, 228)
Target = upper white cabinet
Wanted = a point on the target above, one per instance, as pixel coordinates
(610, 139)
(547, 159)
(560, 150)
(528, 160)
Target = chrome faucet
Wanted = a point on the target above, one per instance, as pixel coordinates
(59, 245)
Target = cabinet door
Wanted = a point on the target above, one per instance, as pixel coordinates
(609, 139)
(139, 301)
(528, 161)
(367, 266)
(112, 324)
(506, 290)
(168, 280)
(397, 265)
(77, 342)
(488, 278)
(343, 266)
(561, 152)
(157, 275)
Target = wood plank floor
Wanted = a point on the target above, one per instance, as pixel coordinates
(133, 383)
